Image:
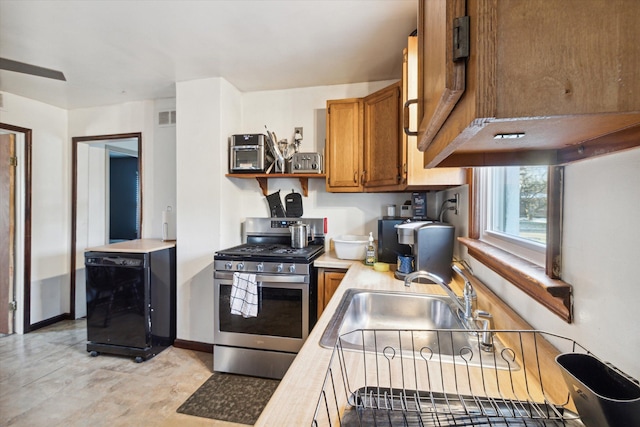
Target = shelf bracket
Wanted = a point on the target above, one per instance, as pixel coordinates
(264, 185)
(263, 180)
(304, 184)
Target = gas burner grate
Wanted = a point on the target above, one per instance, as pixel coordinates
(254, 249)
(289, 251)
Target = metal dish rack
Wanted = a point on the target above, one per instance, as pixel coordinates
(392, 382)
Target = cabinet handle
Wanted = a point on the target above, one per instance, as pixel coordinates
(405, 118)
(355, 177)
(362, 180)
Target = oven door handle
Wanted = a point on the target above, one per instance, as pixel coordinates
(246, 148)
(271, 278)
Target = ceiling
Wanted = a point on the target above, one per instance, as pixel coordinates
(120, 51)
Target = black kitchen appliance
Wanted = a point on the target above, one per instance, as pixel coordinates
(388, 246)
(247, 153)
(265, 345)
(131, 302)
(431, 245)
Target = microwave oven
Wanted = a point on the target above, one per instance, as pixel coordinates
(247, 153)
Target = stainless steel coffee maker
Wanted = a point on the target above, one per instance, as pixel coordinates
(431, 246)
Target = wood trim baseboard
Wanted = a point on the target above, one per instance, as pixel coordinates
(50, 321)
(193, 345)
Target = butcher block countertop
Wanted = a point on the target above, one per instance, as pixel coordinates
(135, 246)
(294, 402)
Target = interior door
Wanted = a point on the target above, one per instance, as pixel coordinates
(7, 230)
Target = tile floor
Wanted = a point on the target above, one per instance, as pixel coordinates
(47, 378)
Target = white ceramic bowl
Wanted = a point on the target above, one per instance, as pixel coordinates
(351, 246)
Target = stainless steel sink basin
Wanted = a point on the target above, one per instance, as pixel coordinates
(391, 312)
(407, 323)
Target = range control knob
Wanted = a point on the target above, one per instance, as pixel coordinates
(279, 268)
(240, 266)
(228, 265)
(260, 267)
(292, 268)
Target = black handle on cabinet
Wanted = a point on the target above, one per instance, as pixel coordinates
(405, 118)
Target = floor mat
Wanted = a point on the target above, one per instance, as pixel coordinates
(235, 398)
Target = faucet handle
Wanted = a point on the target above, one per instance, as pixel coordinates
(486, 325)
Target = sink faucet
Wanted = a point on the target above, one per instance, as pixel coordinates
(466, 305)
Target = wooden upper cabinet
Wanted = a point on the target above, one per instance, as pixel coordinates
(344, 145)
(545, 82)
(382, 163)
(443, 77)
(363, 142)
(414, 175)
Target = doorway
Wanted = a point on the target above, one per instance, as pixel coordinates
(8, 164)
(124, 188)
(97, 201)
(15, 236)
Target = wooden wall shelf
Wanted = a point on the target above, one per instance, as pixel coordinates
(263, 178)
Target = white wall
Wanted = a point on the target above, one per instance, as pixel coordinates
(50, 210)
(600, 250)
(161, 153)
(200, 170)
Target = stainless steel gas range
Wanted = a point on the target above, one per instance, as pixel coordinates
(265, 344)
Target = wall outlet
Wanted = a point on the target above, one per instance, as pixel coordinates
(457, 207)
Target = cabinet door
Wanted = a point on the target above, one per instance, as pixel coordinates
(415, 176)
(344, 145)
(382, 150)
(441, 79)
(328, 282)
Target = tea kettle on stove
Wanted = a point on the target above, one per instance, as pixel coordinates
(299, 235)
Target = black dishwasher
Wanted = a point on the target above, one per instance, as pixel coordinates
(131, 302)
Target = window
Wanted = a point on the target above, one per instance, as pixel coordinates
(513, 214)
(515, 229)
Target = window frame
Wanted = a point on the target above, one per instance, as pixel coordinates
(528, 249)
(543, 284)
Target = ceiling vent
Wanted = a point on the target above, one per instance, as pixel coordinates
(167, 118)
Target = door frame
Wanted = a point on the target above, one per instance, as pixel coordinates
(26, 294)
(74, 200)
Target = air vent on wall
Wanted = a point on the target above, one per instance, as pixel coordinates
(167, 118)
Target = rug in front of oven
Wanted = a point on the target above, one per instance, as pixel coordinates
(228, 397)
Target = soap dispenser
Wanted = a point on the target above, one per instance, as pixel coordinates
(370, 258)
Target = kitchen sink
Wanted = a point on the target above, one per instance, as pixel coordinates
(406, 323)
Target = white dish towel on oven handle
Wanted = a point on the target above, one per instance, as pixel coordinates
(244, 295)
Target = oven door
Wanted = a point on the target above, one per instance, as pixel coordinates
(282, 323)
(247, 158)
